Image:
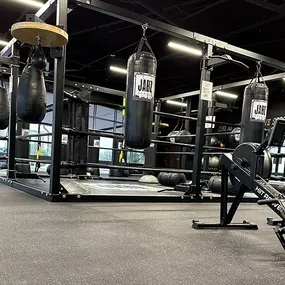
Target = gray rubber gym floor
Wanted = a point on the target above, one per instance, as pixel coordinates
(49, 243)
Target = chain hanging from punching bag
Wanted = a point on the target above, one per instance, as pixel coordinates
(31, 99)
(141, 72)
(254, 109)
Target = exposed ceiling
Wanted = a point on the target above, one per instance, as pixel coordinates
(96, 41)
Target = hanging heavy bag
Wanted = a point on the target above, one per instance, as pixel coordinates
(31, 99)
(4, 109)
(140, 97)
(254, 110)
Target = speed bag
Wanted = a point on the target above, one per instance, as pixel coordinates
(31, 99)
(140, 100)
(4, 109)
(254, 112)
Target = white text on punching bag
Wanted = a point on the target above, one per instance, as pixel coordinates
(144, 85)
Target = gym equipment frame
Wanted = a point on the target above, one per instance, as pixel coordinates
(245, 170)
(61, 7)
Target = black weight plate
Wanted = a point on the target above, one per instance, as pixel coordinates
(245, 152)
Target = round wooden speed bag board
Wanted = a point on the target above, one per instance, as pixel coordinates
(30, 32)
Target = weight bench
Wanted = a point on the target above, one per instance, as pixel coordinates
(246, 166)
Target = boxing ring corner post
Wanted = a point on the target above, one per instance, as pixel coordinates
(13, 117)
(200, 129)
(58, 90)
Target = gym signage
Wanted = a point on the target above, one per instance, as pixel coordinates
(258, 110)
(144, 85)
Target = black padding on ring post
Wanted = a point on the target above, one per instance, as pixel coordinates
(81, 124)
(22, 146)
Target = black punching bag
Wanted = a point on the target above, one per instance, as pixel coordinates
(254, 111)
(4, 109)
(140, 98)
(31, 99)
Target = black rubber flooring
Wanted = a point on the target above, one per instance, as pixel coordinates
(90, 243)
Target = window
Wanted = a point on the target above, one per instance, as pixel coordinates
(34, 129)
(91, 110)
(48, 116)
(119, 130)
(3, 143)
(278, 169)
(104, 125)
(45, 146)
(135, 157)
(105, 154)
(105, 113)
(91, 123)
(119, 116)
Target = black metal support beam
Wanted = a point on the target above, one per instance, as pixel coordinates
(154, 8)
(138, 19)
(187, 128)
(200, 129)
(59, 78)
(157, 117)
(267, 78)
(5, 60)
(13, 118)
(279, 9)
(95, 88)
(43, 14)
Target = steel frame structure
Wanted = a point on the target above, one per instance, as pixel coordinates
(61, 7)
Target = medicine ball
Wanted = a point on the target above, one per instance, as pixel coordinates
(184, 137)
(172, 136)
(214, 163)
(235, 138)
(215, 185)
(215, 141)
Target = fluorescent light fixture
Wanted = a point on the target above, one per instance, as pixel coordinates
(185, 48)
(32, 3)
(118, 69)
(180, 104)
(226, 94)
(3, 43)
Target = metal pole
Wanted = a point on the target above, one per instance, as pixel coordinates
(157, 117)
(200, 129)
(224, 196)
(211, 113)
(59, 78)
(187, 128)
(150, 152)
(13, 118)
(277, 161)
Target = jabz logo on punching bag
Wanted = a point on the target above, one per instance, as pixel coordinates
(144, 85)
(258, 110)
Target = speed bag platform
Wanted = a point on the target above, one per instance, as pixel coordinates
(140, 98)
(31, 32)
